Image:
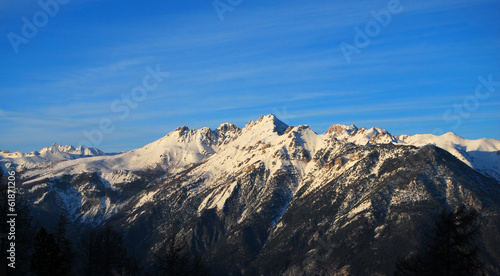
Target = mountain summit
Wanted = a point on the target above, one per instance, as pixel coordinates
(267, 122)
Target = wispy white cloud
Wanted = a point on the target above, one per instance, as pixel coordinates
(119, 65)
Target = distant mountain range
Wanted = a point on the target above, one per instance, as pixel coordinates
(270, 198)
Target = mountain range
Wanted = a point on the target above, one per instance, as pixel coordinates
(272, 199)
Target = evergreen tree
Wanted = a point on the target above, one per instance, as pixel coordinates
(175, 258)
(200, 267)
(89, 246)
(114, 253)
(452, 248)
(412, 265)
(103, 252)
(52, 253)
(25, 234)
(46, 256)
(66, 257)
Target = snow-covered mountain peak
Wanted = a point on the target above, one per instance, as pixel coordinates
(374, 131)
(58, 151)
(58, 148)
(450, 139)
(226, 133)
(226, 127)
(360, 136)
(339, 129)
(47, 155)
(372, 135)
(181, 129)
(266, 123)
(481, 154)
(81, 150)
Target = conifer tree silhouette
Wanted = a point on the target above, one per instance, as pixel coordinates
(452, 248)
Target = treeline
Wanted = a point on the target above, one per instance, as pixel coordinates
(451, 248)
(96, 251)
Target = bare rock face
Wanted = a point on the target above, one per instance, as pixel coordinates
(339, 162)
(336, 129)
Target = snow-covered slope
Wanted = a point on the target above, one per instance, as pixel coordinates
(176, 150)
(482, 154)
(46, 156)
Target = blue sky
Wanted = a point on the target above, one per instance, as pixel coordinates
(418, 74)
